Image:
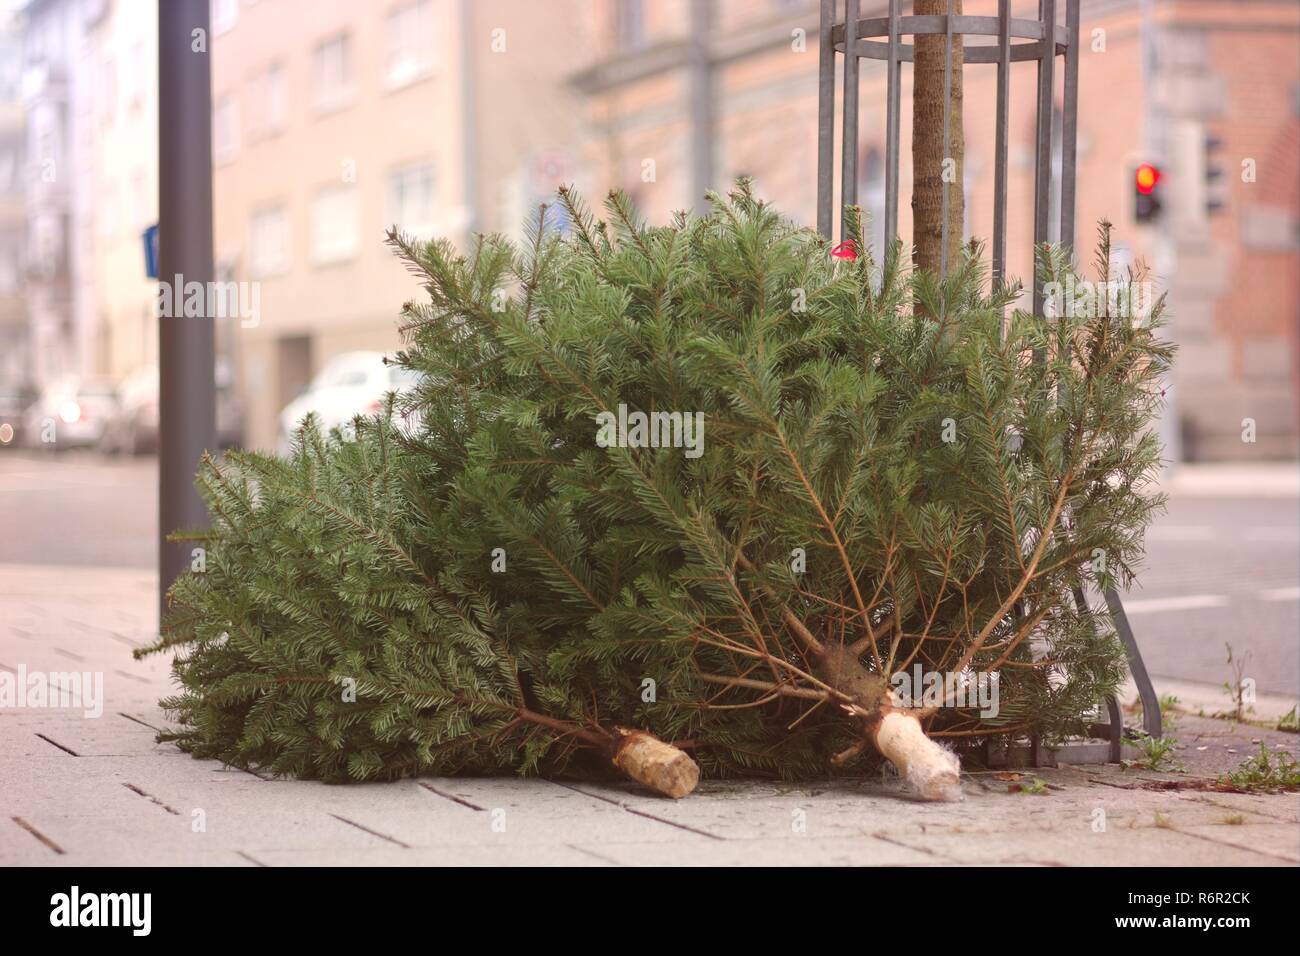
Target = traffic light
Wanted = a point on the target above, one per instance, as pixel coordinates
(1146, 194)
(1213, 176)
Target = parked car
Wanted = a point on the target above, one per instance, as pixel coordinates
(14, 402)
(230, 407)
(350, 384)
(133, 428)
(74, 412)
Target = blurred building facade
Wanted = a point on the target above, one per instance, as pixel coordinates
(122, 45)
(1209, 70)
(13, 215)
(334, 120)
(57, 92)
(84, 130)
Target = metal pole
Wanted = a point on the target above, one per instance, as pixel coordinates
(1043, 151)
(1001, 126)
(186, 346)
(825, 119)
(894, 80)
(849, 146)
(469, 121)
(1070, 124)
(947, 135)
(701, 93)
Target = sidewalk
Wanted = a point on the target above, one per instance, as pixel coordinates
(100, 791)
(1232, 480)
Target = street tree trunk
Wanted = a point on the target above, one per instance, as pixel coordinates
(930, 162)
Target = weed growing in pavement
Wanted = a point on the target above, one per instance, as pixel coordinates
(1265, 773)
(1157, 754)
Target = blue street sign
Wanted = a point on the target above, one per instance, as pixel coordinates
(151, 251)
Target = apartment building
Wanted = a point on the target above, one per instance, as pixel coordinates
(334, 120)
(1212, 72)
(57, 94)
(122, 49)
(13, 216)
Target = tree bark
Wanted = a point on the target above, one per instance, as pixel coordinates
(928, 154)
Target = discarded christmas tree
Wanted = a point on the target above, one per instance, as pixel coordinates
(707, 481)
(320, 640)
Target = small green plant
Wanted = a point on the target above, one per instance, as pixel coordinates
(1290, 722)
(1237, 688)
(1158, 753)
(1266, 773)
(1169, 705)
(1034, 786)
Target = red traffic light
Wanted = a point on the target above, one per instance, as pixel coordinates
(1146, 178)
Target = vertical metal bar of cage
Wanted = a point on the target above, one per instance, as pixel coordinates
(1152, 722)
(1070, 123)
(849, 155)
(947, 136)
(701, 105)
(892, 83)
(1001, 127)
(1043, 137)
(825, 118)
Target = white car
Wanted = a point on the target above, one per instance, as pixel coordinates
(70, 413)
(350, 384)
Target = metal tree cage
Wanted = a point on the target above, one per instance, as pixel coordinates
(1042, 41)
(880, 38)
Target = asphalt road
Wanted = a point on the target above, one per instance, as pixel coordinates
(1222, 569)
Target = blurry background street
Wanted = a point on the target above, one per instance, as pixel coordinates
(1223, 566)
(333, 121)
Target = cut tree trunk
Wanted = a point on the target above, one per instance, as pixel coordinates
(644, 757)
(930, 768)
(929, 159)
(654, 764)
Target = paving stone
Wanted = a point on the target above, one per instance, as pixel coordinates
(805, 850)
(1117, 846)
(491, 855)
(1271, 839)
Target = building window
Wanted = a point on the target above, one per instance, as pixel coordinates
(270, 101)
(411, 200)
(268, 247)
(332, 72)
(334, 225)
(410, 44)
(224, 15)
(225, 129)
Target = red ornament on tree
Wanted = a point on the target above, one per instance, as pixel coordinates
(845, 250)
